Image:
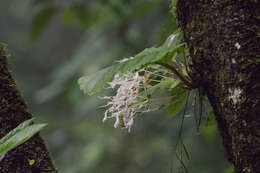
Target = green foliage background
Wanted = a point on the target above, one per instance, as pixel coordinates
(55, 42)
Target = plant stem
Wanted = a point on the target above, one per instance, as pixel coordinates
(177, 73)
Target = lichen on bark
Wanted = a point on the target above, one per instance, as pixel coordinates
(13, 111)
(223, 38)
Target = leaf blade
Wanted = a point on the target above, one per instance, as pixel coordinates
(18, 128)
(40, 22)
(178, 101)
(18, 136)
(94, 83)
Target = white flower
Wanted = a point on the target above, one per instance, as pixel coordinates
(105, 117)
(126, 103)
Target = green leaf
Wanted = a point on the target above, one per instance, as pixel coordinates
(164, 84)
(96, 82)
(177, 102)
(40, 21)
(19, 135)
(84, 15)
(18, 128)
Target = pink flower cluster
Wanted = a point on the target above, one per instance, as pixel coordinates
(126, 103)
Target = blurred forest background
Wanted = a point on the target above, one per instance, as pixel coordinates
(54, 42)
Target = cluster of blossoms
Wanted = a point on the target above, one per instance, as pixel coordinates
(126, 103)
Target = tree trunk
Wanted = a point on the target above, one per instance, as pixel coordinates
(13, 111)
(224, 41)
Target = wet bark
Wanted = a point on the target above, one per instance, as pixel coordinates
(224, 41)
(13, 111)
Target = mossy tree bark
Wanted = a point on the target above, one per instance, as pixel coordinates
(224, 41)
(13, 111)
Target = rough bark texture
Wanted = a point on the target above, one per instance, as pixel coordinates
(13, 111)
(224, 41)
